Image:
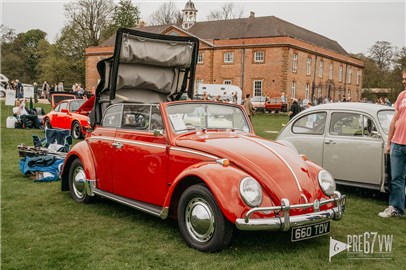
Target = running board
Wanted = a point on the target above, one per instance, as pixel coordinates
(142, 206)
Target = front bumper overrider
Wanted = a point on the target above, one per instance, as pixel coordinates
(285, 221)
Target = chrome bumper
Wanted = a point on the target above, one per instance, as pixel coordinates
(285, 222)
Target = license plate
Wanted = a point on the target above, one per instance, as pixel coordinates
(310, 231)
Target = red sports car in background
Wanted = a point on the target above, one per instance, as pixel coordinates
(70, 114)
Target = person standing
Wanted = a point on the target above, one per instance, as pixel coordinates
(294, 109)
(45, 89)
(19, 89)
(248, 106)
(396, 145)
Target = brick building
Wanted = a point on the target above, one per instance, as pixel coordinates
(264, 56)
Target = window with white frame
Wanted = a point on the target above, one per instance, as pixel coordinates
(321, 69)
(349, 75)
(330, 76)
(294, 63)
(229, 57)
(340, 74)
(307, 91)
(293, 89)
(259, 57)
(227, 82)
(200, 58)
(358, 76)
(319, 91)
(309, 66)
(257, 88)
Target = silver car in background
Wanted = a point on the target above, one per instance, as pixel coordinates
(348, 139)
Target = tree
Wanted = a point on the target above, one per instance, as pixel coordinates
(226, 12)
(382, 53)
(21, 54)
(125, 15)
(88, 18)
(166, 14)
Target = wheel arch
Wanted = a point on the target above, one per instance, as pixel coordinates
(82, 152)
(225, 191)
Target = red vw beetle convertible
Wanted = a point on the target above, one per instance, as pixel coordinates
(199, 162)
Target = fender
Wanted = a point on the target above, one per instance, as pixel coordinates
(223, 182)
(82, 151)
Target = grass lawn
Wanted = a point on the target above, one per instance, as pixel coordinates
(42, 228)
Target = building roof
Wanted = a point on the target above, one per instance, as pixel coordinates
(253, 27)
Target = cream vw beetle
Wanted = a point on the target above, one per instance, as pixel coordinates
(348, 139)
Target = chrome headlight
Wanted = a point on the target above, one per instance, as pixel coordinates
(327, 182)
(251, 192)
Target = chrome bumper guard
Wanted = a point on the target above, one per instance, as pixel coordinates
(285, 222)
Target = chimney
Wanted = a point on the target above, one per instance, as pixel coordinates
(252, 14)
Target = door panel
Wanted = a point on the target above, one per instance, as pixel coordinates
(351, 150)
(354, 160)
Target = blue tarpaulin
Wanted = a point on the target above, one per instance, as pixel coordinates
(49, 166)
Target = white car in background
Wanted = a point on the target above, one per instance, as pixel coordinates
(348, 139)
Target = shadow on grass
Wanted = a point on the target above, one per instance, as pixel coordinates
(363, 193)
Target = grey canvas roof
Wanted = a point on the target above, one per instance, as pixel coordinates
(257, 27)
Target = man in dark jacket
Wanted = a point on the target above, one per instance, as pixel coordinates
(294, 109)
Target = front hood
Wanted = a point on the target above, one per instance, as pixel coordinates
(279, 169)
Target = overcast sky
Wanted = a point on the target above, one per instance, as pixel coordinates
(355, 25)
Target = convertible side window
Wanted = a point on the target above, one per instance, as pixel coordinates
(112, 117)
(142, 117)
(310, 124)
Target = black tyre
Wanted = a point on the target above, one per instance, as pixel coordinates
(76, 131)
(2, 94)
(47, 123)
(77, 182)
(201, 222)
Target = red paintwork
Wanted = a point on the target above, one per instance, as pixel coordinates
(64, 119)
(149, 168)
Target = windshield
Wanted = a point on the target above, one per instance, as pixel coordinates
(75, 104)
(385, 117)
(187, 117)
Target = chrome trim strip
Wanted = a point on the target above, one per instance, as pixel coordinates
(142, 206)
(193, 152)
(281, 158)
(285, 222)
(130, 142)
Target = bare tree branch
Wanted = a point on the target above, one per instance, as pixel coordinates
(166, 14)
(226, 12)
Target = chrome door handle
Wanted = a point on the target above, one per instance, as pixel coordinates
(329, 142)
(117, 145)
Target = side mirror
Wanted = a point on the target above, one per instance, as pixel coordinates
(158, 132)
(64, 111)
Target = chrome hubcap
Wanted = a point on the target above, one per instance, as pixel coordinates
(79, 180)
(199, 220)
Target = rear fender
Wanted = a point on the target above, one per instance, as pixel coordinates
(223, 182)
(81, 151)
